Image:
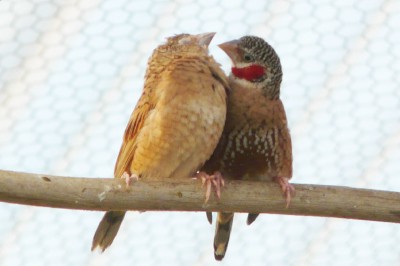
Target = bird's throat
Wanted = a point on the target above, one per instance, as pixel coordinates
(250, 73)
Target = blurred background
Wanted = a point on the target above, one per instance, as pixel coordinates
(72, 71)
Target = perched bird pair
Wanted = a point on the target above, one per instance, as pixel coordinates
(192, 117)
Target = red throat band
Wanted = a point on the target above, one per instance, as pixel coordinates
(249, 73)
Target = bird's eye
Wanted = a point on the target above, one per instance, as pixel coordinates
(248, 58)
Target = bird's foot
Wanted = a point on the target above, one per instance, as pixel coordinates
(129, 178)
(210, 181)
(287, 188)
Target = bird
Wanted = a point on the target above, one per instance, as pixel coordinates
(176, 123)
(255, 144)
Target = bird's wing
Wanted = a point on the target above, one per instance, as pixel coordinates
(285, 143)
(136, 121)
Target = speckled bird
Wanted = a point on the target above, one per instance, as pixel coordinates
(255, 144)
(176, 123)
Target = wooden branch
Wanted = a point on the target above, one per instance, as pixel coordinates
(187, 195)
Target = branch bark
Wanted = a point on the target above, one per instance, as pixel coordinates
(103, 194)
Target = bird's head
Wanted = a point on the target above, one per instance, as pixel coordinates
(190, 43)
(255, 64)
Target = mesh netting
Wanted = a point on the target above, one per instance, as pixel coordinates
(72, 71)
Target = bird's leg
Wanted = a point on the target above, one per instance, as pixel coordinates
(210, 181)
(287, 188)
(129, 178)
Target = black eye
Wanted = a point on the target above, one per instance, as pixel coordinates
(248, 58)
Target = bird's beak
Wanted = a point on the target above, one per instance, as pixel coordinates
(204, 39)
(231, 48)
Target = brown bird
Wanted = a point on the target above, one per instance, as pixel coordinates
(255, 144)
(176, 123)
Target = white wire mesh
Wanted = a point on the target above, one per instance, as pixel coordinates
(72, 71)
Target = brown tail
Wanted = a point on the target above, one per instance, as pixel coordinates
(222, 233)
(107, 229)
(251, 218)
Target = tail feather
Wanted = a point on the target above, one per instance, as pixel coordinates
(251, 218)
(107, 229)
(209, 217)
(222, 233)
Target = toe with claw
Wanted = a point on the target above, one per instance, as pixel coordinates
(287, 188)
(210, 181)
(129, 178)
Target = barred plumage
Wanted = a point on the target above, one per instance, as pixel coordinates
(255, 143)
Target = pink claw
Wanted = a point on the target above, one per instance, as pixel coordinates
(287, 188)
(216, 180)
(129, 178)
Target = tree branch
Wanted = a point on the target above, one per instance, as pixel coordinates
(187, 195)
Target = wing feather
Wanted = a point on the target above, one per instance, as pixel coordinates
(136, 121)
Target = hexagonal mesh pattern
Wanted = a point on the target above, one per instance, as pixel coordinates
(72, 71)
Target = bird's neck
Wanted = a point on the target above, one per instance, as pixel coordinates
(249, 73)
(255, 77)
(265, 89)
